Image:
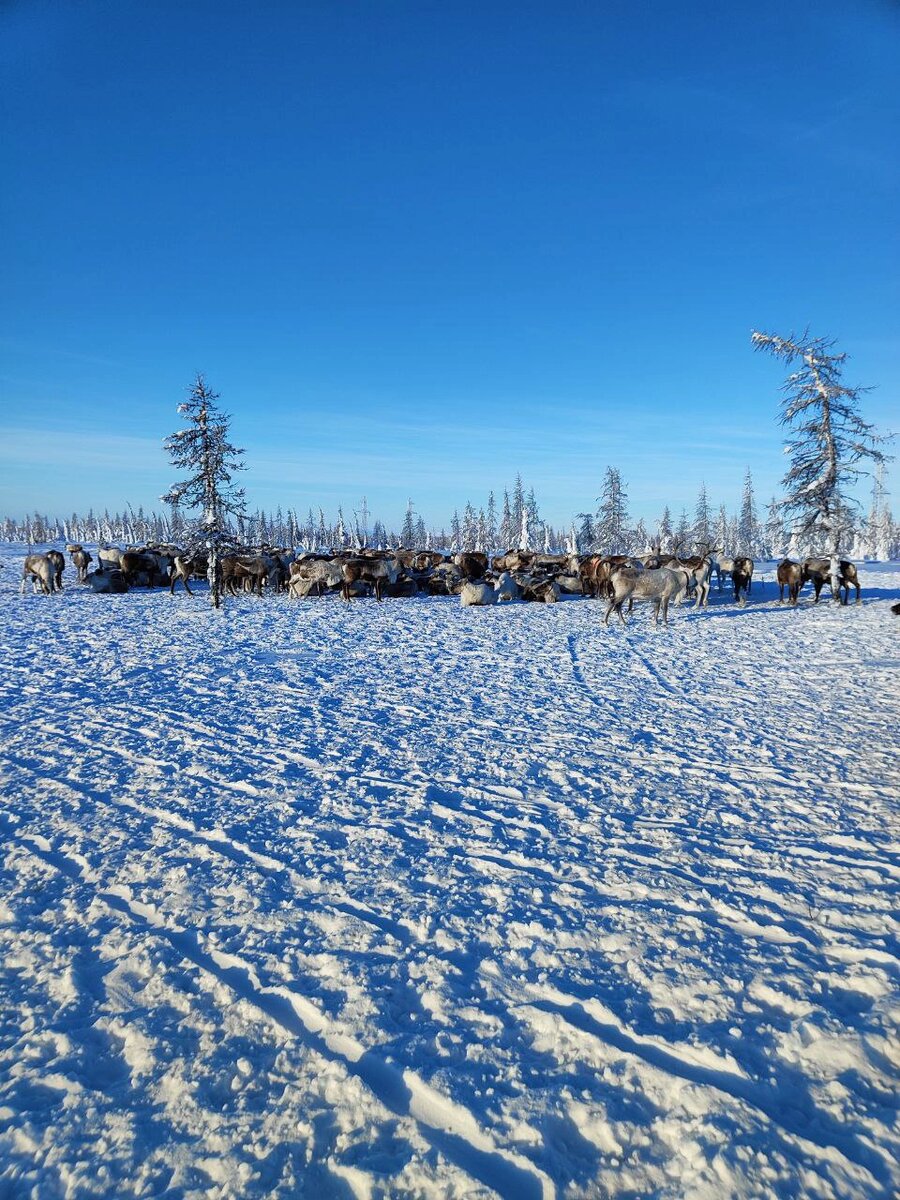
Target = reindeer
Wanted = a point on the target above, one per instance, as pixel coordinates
(80, 561)
(723, 568)
(245, 570)
(477, 595)
(744, 565)
(789, 575)
(659, 585)
(445, 579)
(109, 558)
(182, 568)
(506, 587)
(40, 569)
(59, 563)
(473, 564)
(377, 571)
(596, 570)
(741, 574)
(544, 591)
(513, 560)
(819, 572)
(699, 569)
(105, 583)
(144, 568)
(308, 573)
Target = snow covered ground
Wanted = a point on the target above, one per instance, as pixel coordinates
(410, 900)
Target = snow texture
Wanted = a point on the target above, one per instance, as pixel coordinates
(306, 899)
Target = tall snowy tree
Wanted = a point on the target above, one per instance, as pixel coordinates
(508, 530)
(664, 530)
(748, 523)
(481, 532)
(612, 516)
(491, 526)
(587, 535)
(534, 517)
(828, 438)
(683, 533)
(468, 533)
(702, 520)
(775, 541)
(363, 521)
(408, 529)
(455, 533)
(518, 504)
(723, 544)
(203, 449)
(878, 522)
(526, 532)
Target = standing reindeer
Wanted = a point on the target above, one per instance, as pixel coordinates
(80, 561)
(40, 569)
(819, 572)
(789, 575)
(741, 574)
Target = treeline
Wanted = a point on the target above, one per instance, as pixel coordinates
(515, 522)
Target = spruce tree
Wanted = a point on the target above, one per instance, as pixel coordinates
(518, 506)
(611, 529)
(491, 526)
(748, 524)
(408, 532)
(203, 448)
(703, 521)
(829, 440)
(507, 529)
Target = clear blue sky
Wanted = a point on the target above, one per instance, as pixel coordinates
(420, 246)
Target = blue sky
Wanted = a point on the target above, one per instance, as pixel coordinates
(420, 246)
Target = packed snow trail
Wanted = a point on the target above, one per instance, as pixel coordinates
(308, 899)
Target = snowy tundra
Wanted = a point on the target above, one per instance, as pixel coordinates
(307, 899)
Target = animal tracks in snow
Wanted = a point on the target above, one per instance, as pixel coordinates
(395, 902)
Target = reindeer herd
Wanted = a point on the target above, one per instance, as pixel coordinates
(657, 578)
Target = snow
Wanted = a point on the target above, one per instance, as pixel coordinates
(412, 900)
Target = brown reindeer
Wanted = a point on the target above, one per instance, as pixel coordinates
(59, 563)
(244, 571)
(81, 560)
(818, 572)
(513, 560)
(143, 568)
(741, 574)
(789, 575)
(377, 571)
(473, 564)
(182, 568)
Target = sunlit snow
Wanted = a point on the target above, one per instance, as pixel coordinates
(414, 900)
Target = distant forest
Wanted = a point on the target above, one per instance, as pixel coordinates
(514, 523)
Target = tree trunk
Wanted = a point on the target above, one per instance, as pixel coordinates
(214, 574)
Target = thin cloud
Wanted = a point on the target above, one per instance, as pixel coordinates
(41, 447)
